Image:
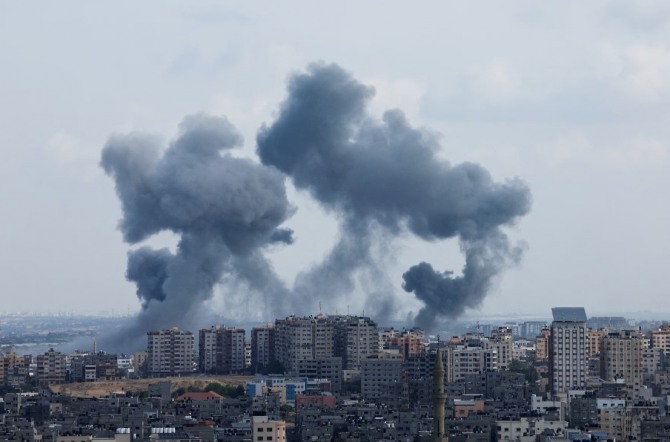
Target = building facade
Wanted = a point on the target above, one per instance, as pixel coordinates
(568, 362)
(170, 352)
(221, 350)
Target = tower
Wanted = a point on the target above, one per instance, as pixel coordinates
(439, 397)
(568, 366)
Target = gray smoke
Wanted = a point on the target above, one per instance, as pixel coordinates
(379, 178)
(224, 209)
(386, 175)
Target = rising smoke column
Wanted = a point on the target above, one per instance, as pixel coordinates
(386, 175)
(224, 209)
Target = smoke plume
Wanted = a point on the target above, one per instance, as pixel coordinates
(386, 175)
(380, 179)
(224, 209)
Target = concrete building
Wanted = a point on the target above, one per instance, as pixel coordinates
(264, 429)
(594, 339)
(221, 350)
(568, 363)
(530, 329)
(501, 342)
(51, 368)
(323, 368)
(356, 338)
(170, 352)
(661, 338)
(380, 371)
(621, 357)
(542, 344)
(463, 360)
(14, 369)
(299, 339)
(262, 346)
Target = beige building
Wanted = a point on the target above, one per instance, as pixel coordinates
(14, 369)
(263, 429)
(542, 345)
(621, 356)
(661, 338)
(594, 340)
(462, 360)
(170, 352)
(501, 342)
(616, 422)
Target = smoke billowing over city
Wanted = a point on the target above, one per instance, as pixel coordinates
(379, 178)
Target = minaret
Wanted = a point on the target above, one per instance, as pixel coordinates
(439, 397)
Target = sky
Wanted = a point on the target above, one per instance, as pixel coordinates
(572, 98)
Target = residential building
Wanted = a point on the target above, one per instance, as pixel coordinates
(621, 357)
(262, 346)
(356, 338)
(221, 350)
(266, 430)
(568, 363)
(51, 368)
(306, 338)
(378, 372)
(170, 352)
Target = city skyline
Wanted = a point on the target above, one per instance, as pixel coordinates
(571, 99)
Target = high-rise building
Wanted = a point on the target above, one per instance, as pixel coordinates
(408, 343)
(621, 356)
(568, 363)
(378, 372)
(542, 344)
(661, 338)
(356, 338)
(221, 350)
(262, 346)
(14, 369)
(530, 329)
(501, 341)
(304, 338)
(594, 339)
(51, 368)
(170, 352)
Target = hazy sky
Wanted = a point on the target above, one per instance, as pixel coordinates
(572, 97)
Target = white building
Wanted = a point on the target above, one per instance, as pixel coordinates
(568, 363)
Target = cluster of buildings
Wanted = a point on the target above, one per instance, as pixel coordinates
(345, 378)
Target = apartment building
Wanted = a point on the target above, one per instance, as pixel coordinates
(266, 430)
(262, 345)
(14, 369)
(170, 352)
(221, 350)
(568, 363)
(51, 368)
(379, 372)
(356, 338)
(621, 356)
(306, 338)
(542, 344)
(501, 342)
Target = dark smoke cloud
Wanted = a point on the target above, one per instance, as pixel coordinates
(379, 178)
(223, 208)
(386, 174)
